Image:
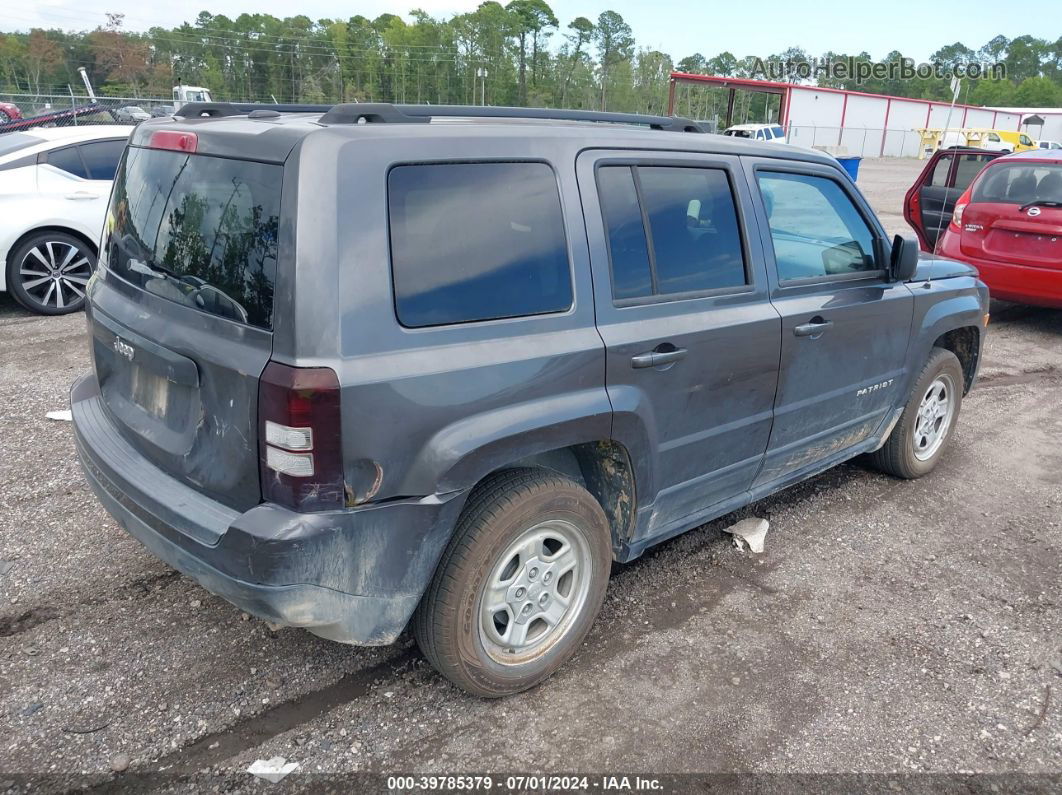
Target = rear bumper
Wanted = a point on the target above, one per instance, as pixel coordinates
(1023, 284)
(354, 576)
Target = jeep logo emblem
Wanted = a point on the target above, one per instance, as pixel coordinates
(123, 348)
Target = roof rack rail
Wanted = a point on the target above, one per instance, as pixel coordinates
(387, 113)
(382, 112)
(215, 110)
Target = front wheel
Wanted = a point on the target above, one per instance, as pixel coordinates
(917, 443)
(519, 585)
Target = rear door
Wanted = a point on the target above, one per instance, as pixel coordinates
(845, 327)
(1015, 215)
(691, 340)
(181, 313)
(929, 203)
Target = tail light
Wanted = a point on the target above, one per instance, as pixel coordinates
(960, 207)
(300, 437)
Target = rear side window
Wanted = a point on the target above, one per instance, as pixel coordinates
(969, 167)
(67, 159)
(1014, 183)
(692, 221)
(778, 132)
(476, 241)
(815, 228)
(101, 158)
(197, 230)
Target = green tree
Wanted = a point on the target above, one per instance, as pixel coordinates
(615, 44)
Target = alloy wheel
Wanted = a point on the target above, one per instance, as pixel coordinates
(934, 417)
(54, 274)
(535, 592)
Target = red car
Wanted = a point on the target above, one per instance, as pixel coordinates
(1005, 219)
(9, 112)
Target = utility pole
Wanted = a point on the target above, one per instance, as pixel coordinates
(482, 73)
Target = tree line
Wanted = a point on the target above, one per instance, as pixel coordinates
(519, 53)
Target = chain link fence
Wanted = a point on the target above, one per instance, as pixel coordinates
(25, 111)
(859, 141)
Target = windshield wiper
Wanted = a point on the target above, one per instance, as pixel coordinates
(1040, 203)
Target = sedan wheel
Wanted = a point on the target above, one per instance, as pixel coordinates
(49, 273)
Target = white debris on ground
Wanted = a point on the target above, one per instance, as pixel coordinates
(63, 415)
(272, 770)
(752, 531)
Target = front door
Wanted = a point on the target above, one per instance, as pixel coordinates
(692, 341)
(845, 326)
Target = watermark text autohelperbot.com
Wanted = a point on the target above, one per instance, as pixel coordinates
(862, 71)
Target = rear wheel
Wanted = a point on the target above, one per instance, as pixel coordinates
(520, 584)
(48, 273)
(917, 443)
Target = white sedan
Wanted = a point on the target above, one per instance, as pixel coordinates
(54, 187)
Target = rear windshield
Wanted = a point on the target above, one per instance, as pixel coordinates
(1019, 183)
(201, 231)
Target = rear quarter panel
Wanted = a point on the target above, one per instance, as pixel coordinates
(431, 410)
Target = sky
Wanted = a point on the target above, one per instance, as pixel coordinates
(677, 27)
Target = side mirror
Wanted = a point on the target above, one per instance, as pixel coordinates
(904, 258)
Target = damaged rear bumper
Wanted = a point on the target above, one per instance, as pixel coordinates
(354, 576)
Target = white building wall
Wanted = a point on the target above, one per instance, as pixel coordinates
(905, 116)
(1052, 129)
(869, 126)
(814, 117)
(978, 117)
(864, 125)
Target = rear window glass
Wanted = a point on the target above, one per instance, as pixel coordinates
(693, 225)
(101, 158)
(1019, 183)
(476, 241)
(969, 167)
(201, 231)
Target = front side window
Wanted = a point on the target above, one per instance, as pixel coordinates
(816, 229)
(778, 132)
(476, 241)
(692, 225)
(993, 138)
(1025, 140)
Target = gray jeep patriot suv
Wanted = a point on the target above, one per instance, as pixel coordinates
(375, 366)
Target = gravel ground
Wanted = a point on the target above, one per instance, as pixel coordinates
(890, 627)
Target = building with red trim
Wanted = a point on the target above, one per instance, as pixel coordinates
(869, 125)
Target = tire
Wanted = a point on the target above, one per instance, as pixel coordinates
(918, 441)
(519, 531)
(48, 273)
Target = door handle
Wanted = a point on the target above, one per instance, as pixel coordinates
(812, 329)
(657, 358)
(82, 195)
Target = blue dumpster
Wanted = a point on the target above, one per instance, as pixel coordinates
(851, 165)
